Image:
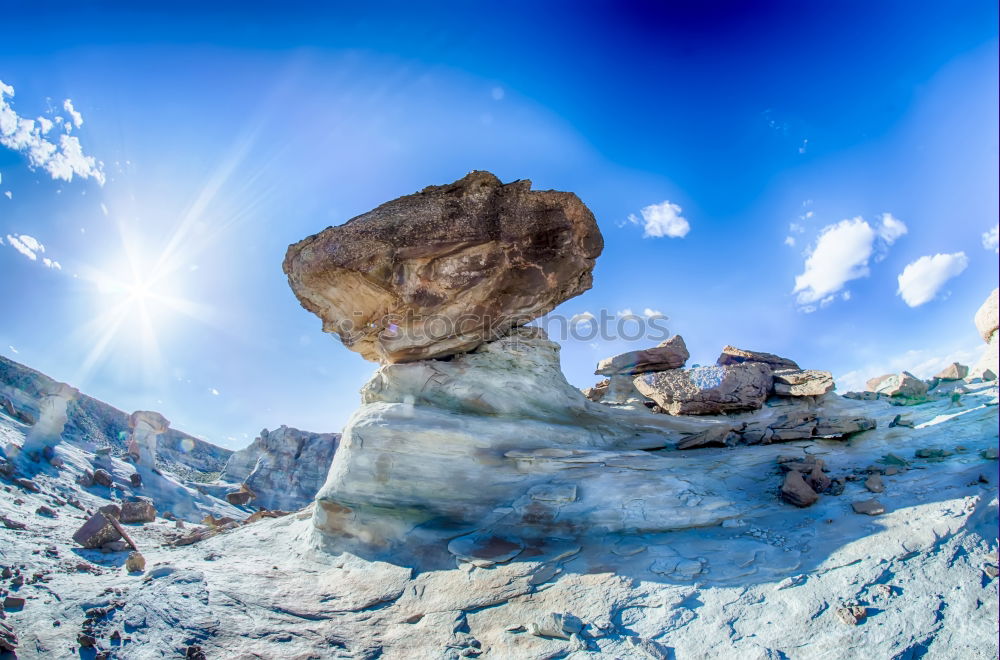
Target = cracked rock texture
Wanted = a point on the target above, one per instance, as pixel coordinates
(708, 390)
(441, 271)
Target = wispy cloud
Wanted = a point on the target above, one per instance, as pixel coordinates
(62, 159)
(73, 114)
(841, 253)
(31, 248)
(920, 281)
(991, 239)
(663, 219)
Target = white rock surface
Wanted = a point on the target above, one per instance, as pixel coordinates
(145, 429)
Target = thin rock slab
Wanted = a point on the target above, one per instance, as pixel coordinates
(870, 507)
(440, 271)
(670, 354)
(802, 382)
(733, 355)
(484, 550)
(97, 531)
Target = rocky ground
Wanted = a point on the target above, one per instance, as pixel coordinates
(774, 581)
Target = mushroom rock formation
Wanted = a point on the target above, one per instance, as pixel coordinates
(145, 428)
(497, 439)
(986, 323)
(52, 416)
(440, 271)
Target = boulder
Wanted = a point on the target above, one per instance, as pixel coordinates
(796, 491)
(953, 371)
(708, 390)
(283, 468)
(872, 384)
(103, 478)
(597, 392)
(138, 510)
(870, 507)
(439, 272)
(239, 497)
(97, 531)
(670, 354)
(733, 355)
(901, 386)
(135, 562)
(802, 382)
(112, 510)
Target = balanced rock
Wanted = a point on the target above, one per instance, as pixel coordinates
(283, 468)
(670, 354)
(138, 509)
(97, 531)
(440, 271)
(953, 371)
(802, 382)
(733, 355)
(708, 390)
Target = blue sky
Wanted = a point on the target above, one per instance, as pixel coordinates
(816, 153)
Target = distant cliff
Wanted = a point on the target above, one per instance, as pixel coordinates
(105, 426)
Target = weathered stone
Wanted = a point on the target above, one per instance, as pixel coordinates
(733, 355)
(135, 479)
(986, 318)
(842, 427)
(598, 391)
(47, 431)
(138, 509)
(670, 354)
(441, 271)
(870, 507)
(103, 478)
(283, 468)
(13, 603)
(239, 497)
(932, 452)
(135, 562)
(8, 639)
(708, 390)
(445, 445)
(874, 483)
(716, 436)
(818, 481)
(97, 531)
(851, 615)
(953, 371)
(112, 510)
(485, 550)
(802, 382)
(861, 396)
(796, 491)
(902, 385)
(48, 512)
(556, 625)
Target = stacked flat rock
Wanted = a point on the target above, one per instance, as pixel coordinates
(441, 271)
(708, 390)
(670, 354)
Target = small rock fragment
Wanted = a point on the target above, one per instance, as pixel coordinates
(8, 640)
(12, 524)
(136, 479)
(990, 453)
(138, 509)
(932, 452)
(560, 626)
(28, 484)
(13, 603)
(874, 483)
(870, 507)
(135, 562)
(818, 481)
(851, 615)
(86, 641)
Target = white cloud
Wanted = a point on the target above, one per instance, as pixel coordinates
(891, 228)
(49, 263)
(841, 254)
(22, 244)
(62, 159)
(213, 391)
(663, 219)
(921, 280)
(9, 195)
(991, 239)
(13, 350)
(625, 312)
(790, 241)
(584, 317)
(650, 313)
(73, 114)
